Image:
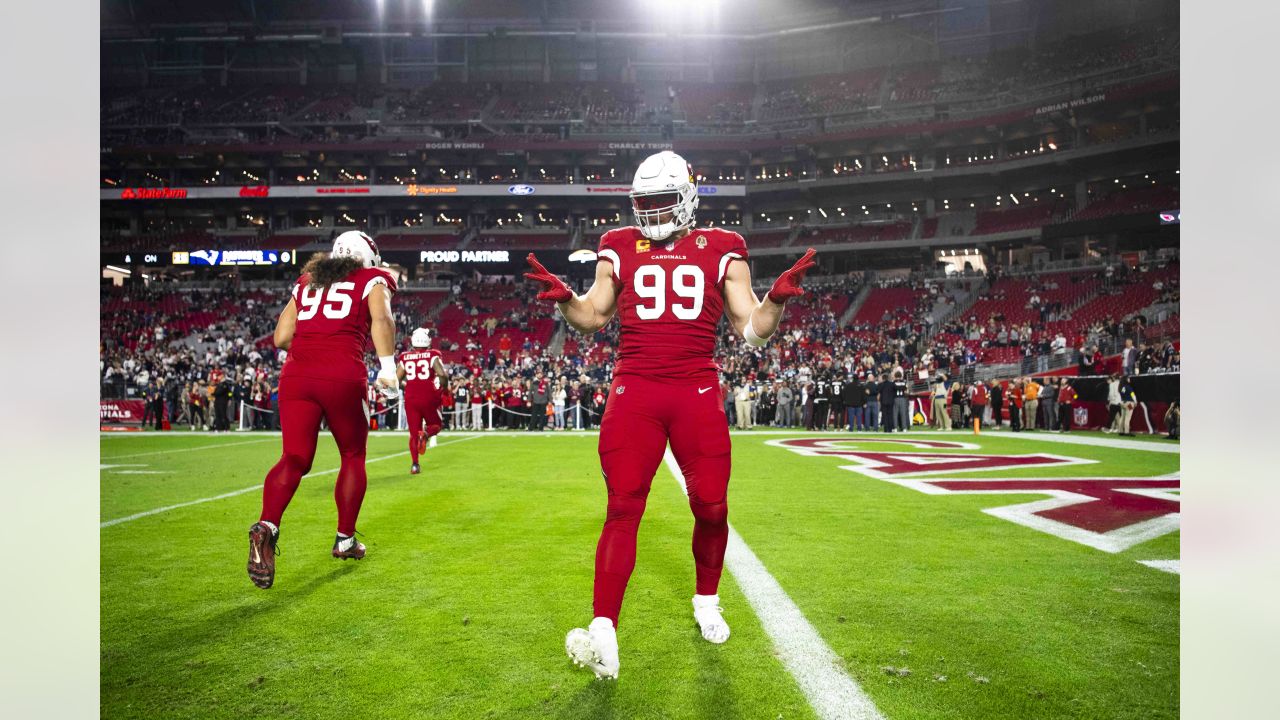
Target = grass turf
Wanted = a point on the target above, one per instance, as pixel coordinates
(478, 567)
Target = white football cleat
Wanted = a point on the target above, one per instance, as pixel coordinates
(706, 610)
(432, 442)
(595, 648)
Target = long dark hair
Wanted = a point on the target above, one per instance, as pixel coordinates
(322, 270)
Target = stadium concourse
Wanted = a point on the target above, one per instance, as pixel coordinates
(206, 353)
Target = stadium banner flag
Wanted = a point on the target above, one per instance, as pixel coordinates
(116, 412)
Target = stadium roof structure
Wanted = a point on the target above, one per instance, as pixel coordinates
(324, 20)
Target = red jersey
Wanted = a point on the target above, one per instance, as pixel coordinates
(670, 300)
(333, 326)
(420, 373)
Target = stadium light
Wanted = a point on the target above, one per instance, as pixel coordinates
(823, 212)
(1014, 198)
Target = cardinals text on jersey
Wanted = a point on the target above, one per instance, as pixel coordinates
(670, 299)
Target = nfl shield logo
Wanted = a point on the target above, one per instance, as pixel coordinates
(1080, 416)
(701, 242)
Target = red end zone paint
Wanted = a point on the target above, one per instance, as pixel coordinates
(1111, 506)
(888, 463)
(881, 464)
(1107, 513)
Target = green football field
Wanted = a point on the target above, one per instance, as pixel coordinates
(920, 582)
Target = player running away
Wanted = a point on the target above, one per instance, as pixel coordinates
(423, 374)
(340, 301)
(669, 283)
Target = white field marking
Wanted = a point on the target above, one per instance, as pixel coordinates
(190, 449)
(869, 466)
(1169, 566)
(1026, 514)
(815, 667)
(258, 486)
(1116, 443)
(113, 471)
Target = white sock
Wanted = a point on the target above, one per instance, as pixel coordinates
(270, 526)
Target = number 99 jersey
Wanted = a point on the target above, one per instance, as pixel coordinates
(670, 300)
(333, 326)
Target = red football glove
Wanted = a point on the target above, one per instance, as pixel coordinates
(787, 285)
(553, 288)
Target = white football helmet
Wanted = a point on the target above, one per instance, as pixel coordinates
(421, 338)
(664, 183)
(356, 244)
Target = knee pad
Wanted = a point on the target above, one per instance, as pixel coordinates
(711, 513)
(297, 463)
(627, 508)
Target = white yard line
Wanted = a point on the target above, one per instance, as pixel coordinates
(190, 449)
(1169, 566)
(816, 668)
(258, 486)
(1117, 443)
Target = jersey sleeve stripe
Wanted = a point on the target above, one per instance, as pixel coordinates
(724, 264)
(612, 256)
(375, 280)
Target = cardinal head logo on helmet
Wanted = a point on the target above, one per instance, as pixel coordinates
(356, 244)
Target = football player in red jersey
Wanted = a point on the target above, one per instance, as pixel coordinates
(335, 307)
(424, 376)
(669, 283)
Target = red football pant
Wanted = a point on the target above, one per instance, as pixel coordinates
(303, 402)
(418, 410)
(640, 417)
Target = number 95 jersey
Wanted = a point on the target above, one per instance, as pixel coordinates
(333, 326)
(670, 300)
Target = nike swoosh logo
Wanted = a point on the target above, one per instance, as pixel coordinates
(702, 390)
(256, 557)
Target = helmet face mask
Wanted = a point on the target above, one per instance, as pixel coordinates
(664, 195)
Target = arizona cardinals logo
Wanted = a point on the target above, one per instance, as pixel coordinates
(1107, 513)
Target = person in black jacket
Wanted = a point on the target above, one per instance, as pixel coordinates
(836, 401)
(888, 394)
(821, 403)
(997, 402)
(871, 413)
(221, 399)
(854, 396)
(901, 404)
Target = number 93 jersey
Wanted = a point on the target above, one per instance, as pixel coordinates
(670, 300)
(333, 326)
(420, 378)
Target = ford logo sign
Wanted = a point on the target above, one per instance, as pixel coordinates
(520, 189)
